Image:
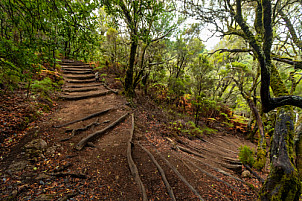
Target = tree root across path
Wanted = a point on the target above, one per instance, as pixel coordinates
(180, 176)
(79, 130)
(85, 118)
(163, 175)
(90, 137)
(131, 163)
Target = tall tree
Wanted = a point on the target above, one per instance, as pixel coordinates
(283, 182)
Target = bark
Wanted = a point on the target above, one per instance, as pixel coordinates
(283, 182)
(129, 79)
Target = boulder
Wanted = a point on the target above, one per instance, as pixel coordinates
(245, 174)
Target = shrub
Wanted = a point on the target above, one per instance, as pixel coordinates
(246, 155)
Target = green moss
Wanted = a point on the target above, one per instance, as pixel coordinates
(261, 159)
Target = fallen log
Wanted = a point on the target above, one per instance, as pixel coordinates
(67, 97)
(90, 137)
(161, 171)
(132, 166)
(180, 176)
(85, 118)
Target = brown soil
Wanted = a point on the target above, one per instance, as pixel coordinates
(102, 165)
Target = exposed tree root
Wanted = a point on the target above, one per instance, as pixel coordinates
(85, 118)
(90, 137)
(81, 89)
(227, 150)
(67, 97)
(163, 175)
(189, 151)
(66, 174)
(79, 130)
(235, 168)
(198, 149)
(180, 176)
(254, 173)
(190, 168)
(132, 166)
(232, 161)
(106, 86)
(211, 175)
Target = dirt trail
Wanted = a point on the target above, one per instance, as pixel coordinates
(169, 169)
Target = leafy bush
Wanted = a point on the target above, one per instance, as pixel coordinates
(246, 155)
(44, 86)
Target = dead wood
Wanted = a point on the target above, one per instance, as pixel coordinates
(81, 89)
(106, 86)
(79, 130)
(90, 137)
(67, 97)
(161, 171)
(180, 176)
(66, 174)
(132, 166)
(85, 118)
(254, 173)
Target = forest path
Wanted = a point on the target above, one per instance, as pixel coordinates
(97, 168)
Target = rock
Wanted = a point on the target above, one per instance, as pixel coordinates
(38, 144)
(53, 149)
(245, 174)
(35, 148)
(18, 166)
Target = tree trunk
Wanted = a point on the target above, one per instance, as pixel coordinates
(283, 182)
(129, 88)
